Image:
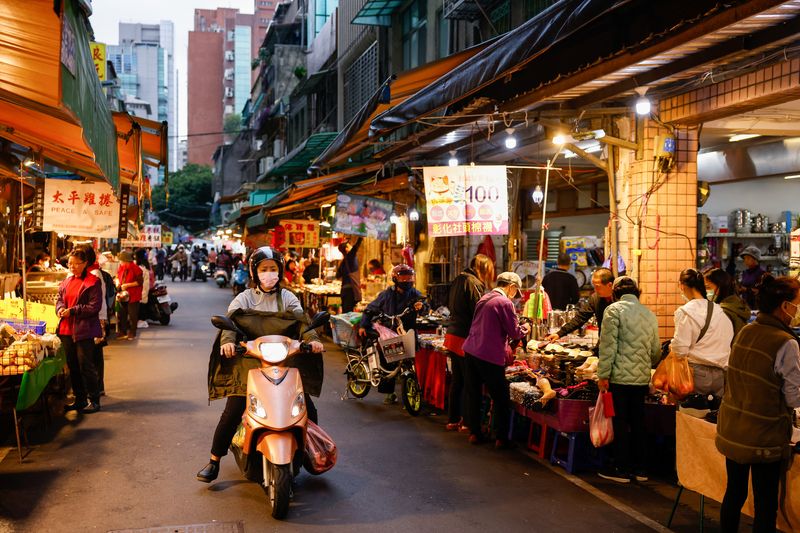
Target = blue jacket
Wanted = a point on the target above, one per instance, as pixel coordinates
(392, 302)
(629, 342)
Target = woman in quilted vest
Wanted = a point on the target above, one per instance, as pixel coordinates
(629, 347)
(755, 420)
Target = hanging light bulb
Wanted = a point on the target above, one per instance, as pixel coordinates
(511, 141)
(560, 138)
(642, 103)
(393, 219)
(538, 195)
(413, 214)
(453, 161)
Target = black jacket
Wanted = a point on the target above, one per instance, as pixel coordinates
(562, 288)
(465, 292)
(593, 306)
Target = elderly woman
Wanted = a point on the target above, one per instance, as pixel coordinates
(485, 349)
(755, 420)
(78, 308)
(629, 347)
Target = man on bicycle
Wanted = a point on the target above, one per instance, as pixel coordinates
(393, 301)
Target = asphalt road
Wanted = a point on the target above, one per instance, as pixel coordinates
(133, 465)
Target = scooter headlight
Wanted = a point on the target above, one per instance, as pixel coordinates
(255, 407)
(299, 405)
(273, 352)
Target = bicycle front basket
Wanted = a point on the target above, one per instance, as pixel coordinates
(400, 347)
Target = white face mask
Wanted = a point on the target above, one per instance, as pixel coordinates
(268, 279)
(796, 318)
(47, 264)
(710, 295)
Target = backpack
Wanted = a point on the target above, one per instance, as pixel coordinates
(111, 290)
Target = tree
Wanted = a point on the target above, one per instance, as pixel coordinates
(189, 198)
(233, 124)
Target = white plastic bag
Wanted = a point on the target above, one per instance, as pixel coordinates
(601, 430)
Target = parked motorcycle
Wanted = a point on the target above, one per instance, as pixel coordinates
(270, 445)
(240, 279)
(159, 306)
(364, 368)
(221, 277)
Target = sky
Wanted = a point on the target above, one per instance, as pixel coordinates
(107, 14)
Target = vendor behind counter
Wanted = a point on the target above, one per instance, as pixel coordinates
(602, 281)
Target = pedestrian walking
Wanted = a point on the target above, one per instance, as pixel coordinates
(130, 283)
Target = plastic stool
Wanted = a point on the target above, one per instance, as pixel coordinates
(539, 446)
(569, 462)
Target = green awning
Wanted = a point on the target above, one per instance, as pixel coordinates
(377, 12)
(296, 162)
(255, 220)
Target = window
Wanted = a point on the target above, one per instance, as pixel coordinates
(442, 35)
(264, 3)
(414, 26)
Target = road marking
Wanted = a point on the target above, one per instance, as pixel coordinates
(599, 494)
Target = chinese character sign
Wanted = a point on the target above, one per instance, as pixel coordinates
(301, 233)
(363, 216)
(80, 209)
(152, 235)
(466, 199)
(99, 57)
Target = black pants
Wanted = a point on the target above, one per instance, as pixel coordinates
(479, 372)
(160, 271)
(128, 318)
(766, 477)
(629, 441)
(82, 372)
(231, 418)
(348, 299)
(455, 398)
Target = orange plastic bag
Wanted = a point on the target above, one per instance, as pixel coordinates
(673, 375)
(321, 451)
(601, 429)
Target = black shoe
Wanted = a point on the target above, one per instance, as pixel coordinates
(209, 473)
(93, 407)
(614, 474)
(75, 406)
(696, 405)
(640, 475)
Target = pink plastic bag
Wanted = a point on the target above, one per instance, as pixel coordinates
(601, 430)
(320, 450)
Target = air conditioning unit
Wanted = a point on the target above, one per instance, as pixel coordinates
(269, 162)
(228, 110)
(277, 147)
(228, 92)
(229, 55)
(229, 74)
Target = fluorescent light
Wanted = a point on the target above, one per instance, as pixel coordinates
(325, 224)
(742, 137)
(323, 206)
(792, 177)
(569, 154)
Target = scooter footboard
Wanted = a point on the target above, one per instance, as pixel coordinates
(278, 448)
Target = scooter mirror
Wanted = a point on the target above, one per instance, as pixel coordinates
(320, 319)
(223, 322)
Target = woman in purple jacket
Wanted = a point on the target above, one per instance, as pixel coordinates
(78, 308)
(485, 356)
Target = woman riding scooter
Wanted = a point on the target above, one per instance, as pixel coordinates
(266, 309)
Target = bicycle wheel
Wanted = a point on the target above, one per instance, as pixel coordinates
(358, 379)
(412, 395)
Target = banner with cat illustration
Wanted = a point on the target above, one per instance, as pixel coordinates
(464, 200)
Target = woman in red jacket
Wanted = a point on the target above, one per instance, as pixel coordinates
(129, 281)
(78, 308)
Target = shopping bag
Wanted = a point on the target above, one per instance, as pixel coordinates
(659, 380)
(679, 377)
(601, 430)
(608, 404)
(320, 450)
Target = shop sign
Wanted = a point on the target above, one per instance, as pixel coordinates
(68, 45)
(38, 206)
(152, 235)
(301, 233)
(135, 243)
(124, 198)
(166, 238)
(99, 57)
(81, 208)
(363, 216)
(464, 200)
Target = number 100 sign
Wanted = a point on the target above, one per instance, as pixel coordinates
(466, 199)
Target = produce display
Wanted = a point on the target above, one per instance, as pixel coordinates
(20, 353)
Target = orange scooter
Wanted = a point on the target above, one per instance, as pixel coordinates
(270, 444)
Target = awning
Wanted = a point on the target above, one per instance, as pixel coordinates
(36, 80)
(296, 162)
(310, 84)
(377, 12)
(355, 136)
(153, 139)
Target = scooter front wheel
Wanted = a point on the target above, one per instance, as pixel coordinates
(278, 486)
(412, 395)
(358, 380)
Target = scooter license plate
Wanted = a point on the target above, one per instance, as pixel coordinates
(164, 299)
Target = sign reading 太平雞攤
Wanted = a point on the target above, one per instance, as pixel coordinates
(301, 233)
(466, 199)
(81, 209)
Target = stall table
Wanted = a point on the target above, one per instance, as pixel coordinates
(701, 468)
(431, 366)
(317, 298)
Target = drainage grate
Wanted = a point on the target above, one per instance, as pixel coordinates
(211, 527)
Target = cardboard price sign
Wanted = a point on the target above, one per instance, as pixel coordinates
(301, 233)
(466, 199)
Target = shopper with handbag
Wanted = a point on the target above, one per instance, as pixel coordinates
(703, 335)
(465, 291)
(754, 426)
(629, 348)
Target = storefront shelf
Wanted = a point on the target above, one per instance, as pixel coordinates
(746, 235)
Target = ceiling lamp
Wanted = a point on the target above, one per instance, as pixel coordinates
(453, 161)
(394, 218)
(742, 137)
(538, 195)
(413, 215)
(642, 103)
(511, 141)
(560, 138)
